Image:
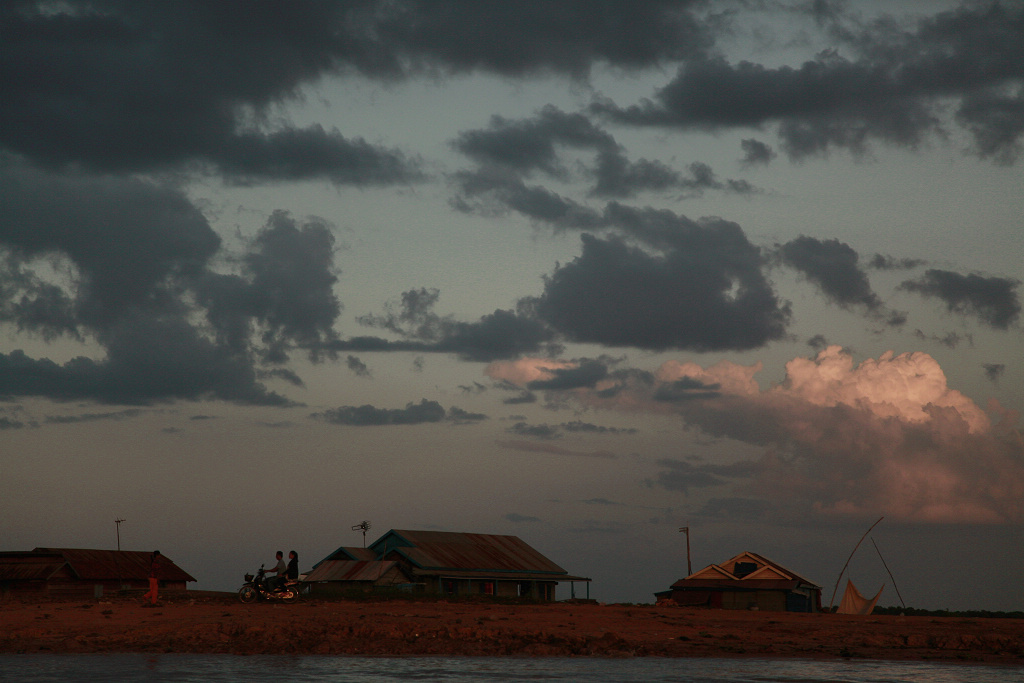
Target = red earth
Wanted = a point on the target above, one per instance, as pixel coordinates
(205, 623)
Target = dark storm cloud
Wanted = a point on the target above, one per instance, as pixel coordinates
(756, 152)
(125, 238)
(509, 151)
(294, 154)
(133, 263)
(527, 145)
(284, 290)
(148, 360)
(701, 289)
(498, 335)
(357, 366)
(521, 38)
(150, 85)
(882, 262)
(894, 89)
(993, 300)
(833, 267)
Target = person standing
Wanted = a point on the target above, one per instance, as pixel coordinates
(155, 566)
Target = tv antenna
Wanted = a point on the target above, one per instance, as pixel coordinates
(363, 526)
(117, 523)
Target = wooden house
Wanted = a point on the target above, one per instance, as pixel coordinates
(746, 581)
(74, 572)
(442, 562)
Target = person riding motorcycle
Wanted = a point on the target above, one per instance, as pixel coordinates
(276, 581)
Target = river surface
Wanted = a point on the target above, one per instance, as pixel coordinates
(182, 668)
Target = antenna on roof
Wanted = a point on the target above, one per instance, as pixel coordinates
(363, 526)
(117, 523)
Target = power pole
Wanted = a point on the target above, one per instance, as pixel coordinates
(117, 522)
(686, 530)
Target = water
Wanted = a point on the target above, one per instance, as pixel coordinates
(275, 668)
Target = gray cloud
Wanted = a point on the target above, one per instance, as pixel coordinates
(993, 371)
(509, 151)
(893, 90)
(702, 289)
(517, 518)
(993, 300)
(833, 267)
(370, 416)
(502, 334)
(756, 152)
(357, 366)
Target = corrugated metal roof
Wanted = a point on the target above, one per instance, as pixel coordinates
(97, 565)
(349, 570)
(27, 566)
(725, 569)
(355, 554)
(446, 550)
(504, 576)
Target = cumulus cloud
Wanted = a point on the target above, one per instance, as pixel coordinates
(699, 286)
(887, 436)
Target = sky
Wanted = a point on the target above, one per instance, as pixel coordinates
(582, 272)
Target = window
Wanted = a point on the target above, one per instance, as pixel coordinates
(487, 587)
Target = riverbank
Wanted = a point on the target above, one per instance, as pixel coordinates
(196, 623)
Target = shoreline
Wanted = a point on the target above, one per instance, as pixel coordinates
(220, 624)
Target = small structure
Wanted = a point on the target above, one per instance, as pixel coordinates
(443, 562)
(74, 572)
(746, 581)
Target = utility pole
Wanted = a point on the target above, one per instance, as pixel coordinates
(686, 530)
(117, 561)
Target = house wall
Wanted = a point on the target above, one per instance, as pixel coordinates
(765, 601)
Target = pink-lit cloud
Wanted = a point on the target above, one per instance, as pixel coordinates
(887, 436)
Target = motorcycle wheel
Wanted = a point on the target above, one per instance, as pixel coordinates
(290, 596)
(247, 594)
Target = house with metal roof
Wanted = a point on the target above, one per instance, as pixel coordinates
(746, 581)
(73, 572)
(443, 562)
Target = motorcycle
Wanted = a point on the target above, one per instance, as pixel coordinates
(256, 588)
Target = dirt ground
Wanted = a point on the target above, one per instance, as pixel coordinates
(194, 623)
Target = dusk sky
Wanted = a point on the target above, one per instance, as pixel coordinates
(580, 271)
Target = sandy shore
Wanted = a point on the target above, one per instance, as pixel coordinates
(215, 624)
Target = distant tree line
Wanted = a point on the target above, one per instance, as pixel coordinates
(972, 613)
